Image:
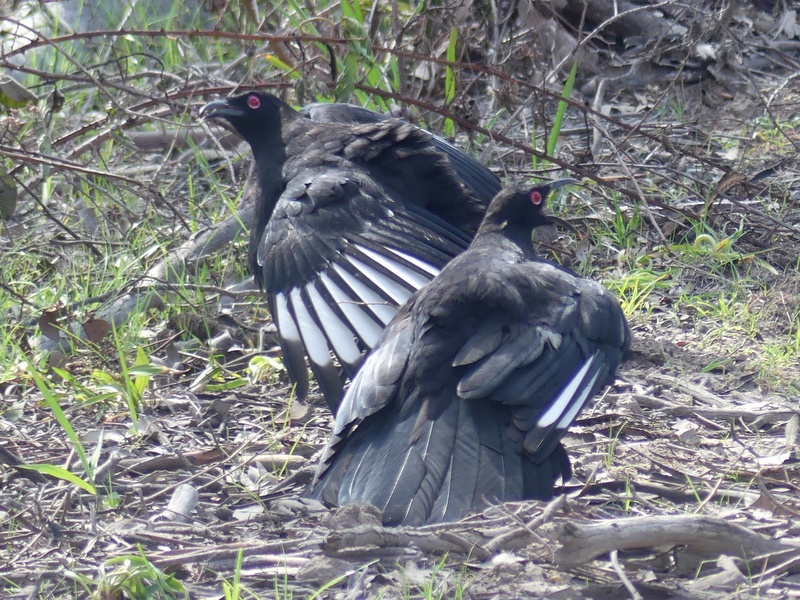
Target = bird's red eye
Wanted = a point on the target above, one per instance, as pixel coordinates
(536, 197)
(253, 101)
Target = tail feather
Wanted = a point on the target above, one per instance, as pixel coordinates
(421, 473)
(540, 478)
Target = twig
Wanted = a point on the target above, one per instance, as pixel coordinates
(143, 297)
(623, 577)
(695, 391)
(526, 529)
(49, 214)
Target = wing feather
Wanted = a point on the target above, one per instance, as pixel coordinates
(366, 326)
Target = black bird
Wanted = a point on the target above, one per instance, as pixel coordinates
(466, 396)
(356, 212)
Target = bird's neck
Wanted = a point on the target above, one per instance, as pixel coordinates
(509, 236)
(269, 166)
(269, 159)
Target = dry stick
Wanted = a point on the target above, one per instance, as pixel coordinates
(765, 101)
(241, 291)
(525, 529)
(340, 41)
(50, 215)
(38, 158)
(644, 202)
(637, 127)
(706, 536)
(336, 41)
(783, 505)
(495, 53)
(623, 577)
(681, 410)
(635, 495)
(695, 391)
(597, 132)
(792, 565)
(399, 53)
(640, 194)
(710, 496)
(610, 21)
(115, 33)
(217, 141)
(21, 299)
(400, 537)
(170, 558)
(67, 56)
(227, 458)
(532, 151)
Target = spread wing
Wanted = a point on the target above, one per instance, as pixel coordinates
(452, 411)
(338, 256)
(368, 214)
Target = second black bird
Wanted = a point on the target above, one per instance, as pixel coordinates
(355, 212)
(467, 394)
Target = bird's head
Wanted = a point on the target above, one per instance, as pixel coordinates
(256, 116)
(519, 206)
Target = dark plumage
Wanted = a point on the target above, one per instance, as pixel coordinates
(466, 396)
(356, 212)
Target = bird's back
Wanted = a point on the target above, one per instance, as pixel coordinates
(393, 155)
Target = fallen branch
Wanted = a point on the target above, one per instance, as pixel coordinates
(402, 537)
(704, 536)
(695, 391)
(725, 414)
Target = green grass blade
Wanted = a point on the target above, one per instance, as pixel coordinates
(62, 420)
(62, 473)
(289, 70)
(450, 80)
(561, 110)
(352, 11)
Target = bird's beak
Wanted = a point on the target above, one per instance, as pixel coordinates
(554, 185)
(550, 219)
(220, 108)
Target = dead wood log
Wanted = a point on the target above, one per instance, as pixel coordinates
(704, 536)
(402, 537)
(620, 18)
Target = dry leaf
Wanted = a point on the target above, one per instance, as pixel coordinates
(13, 94)
(298, 410)
(48, 322)
(774, 460)
(96, 329)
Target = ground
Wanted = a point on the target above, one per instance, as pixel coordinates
(144, 378)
